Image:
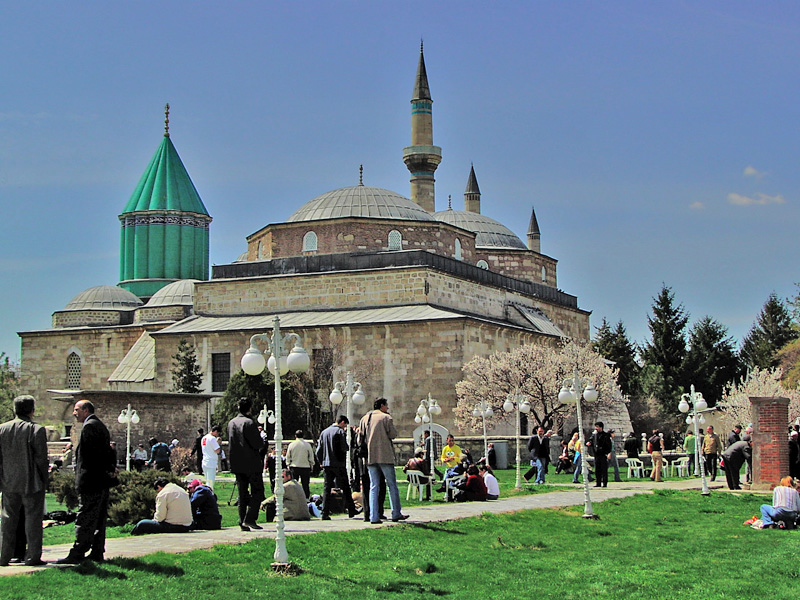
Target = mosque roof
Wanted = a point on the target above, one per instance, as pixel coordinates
(165, 185)
(489, 233)
(104, 297)
(178, 292)
(361, 201)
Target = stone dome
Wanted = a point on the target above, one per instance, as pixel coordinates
(489, 233)
(177, 292)
(104, 297)
(361, 201)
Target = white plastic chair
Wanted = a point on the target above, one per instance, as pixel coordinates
(635, 466)
(681, 466)
(416, 483)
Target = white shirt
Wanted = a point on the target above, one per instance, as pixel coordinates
(492, 487)
(210, 446)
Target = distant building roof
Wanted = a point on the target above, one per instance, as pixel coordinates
(139, 363)
(489, 233)
(104, 297)
(361, 201)
(176, 293)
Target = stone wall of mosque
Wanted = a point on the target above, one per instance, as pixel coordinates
(522, 264)
(352, 234)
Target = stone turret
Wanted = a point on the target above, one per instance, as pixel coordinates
(534, 235)
(164, 234)
(472, 195)
(422, 157)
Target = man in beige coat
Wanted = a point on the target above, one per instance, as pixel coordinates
(377, 427)
(23, 480)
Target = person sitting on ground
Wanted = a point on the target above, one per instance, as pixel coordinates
(473, 488)
(465, 453)
(295, 504)
(418, 463)
(785, 504)
(173, 511)
(490, 481)
(205, 511)
(139, 457)
(564, 461)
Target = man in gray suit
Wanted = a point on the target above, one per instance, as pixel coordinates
(23, 481)
(244, 448)
(332, 455)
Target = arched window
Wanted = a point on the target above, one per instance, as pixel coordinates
(260, 251)
(458, 249)
(544, 274)
(482, 264)
(73, 371)
(310, 242)
(395, 240)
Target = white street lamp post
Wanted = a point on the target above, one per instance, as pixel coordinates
(571, 394)
(427, 409)
(698, 406)
(351, 391)
(253, 363)
(483, 409)
(128, 416)
(522, 405)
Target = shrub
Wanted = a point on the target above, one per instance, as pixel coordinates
(62, 484)
(181, 458)
(134, 498)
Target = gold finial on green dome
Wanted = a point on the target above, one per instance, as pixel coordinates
(166, 120)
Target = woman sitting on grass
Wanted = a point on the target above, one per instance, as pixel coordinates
(490, 481)
(785, 504)
(473, 488)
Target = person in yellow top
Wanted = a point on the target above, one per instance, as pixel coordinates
(451, 454)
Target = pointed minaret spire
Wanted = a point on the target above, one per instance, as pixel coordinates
(472, 195)
(166, 120)
(360, 174)
(534, 235)
(422, 157)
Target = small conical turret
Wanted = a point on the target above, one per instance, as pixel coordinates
(534, 235)
(472, 195)
(422, 157)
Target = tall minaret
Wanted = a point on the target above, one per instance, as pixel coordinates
(472, 195)
(422, 157)
(534, 235)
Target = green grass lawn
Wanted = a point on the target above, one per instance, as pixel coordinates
(669, 544)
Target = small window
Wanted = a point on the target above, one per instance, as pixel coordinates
(260, 251)
(395, 240)
(220, 371)
(458, 249)
(310, 242)
(482, 264)
(544, 274)
(73, 371)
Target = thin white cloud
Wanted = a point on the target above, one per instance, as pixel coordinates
(751, 171)
(697, 205)
(759, 200)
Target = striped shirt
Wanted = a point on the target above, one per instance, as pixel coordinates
(786, 498)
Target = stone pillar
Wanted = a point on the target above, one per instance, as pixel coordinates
(770, 444)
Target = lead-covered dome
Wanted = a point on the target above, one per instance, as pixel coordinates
(178, 292)
(361, 201)
(110, 297)
(489, 233)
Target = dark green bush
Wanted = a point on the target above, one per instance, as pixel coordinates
(62, 484)
(134, 498)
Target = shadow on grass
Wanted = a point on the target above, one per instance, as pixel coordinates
(135, 564)
(404, 587)
(434, 527)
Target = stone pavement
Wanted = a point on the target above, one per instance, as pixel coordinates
(131, 547)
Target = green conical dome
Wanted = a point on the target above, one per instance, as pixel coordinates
(165, 185)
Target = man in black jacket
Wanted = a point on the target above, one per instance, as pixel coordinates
(95, 467)
(539, 447)
(332, 455)
(244, 448)
(601, 444)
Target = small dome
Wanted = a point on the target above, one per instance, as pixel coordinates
(108, 297)
(242, 257)
(177, 292)
(489, 233)
(361, 201)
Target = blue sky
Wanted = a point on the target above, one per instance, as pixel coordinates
(658, 142)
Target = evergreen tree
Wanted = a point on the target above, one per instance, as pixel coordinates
(9, 387)
(187, 377)
(614, 345)
(663, 376)
(299, 406)
(711, 362)
(771, 332)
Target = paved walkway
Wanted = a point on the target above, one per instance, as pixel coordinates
(131, 547)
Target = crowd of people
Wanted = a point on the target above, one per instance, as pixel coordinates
(25, 468)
